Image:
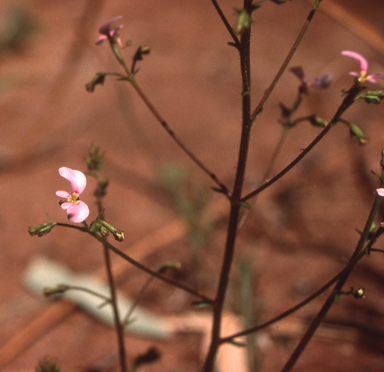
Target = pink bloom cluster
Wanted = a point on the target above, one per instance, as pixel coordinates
(106, 32)
(362, 74)
(77, 210)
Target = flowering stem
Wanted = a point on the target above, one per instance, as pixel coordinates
(226, 23)
(295, 45)
(235, 197)
(165, 125)
(340, 283)
(137, 300)
(351, 264)
(130, 76)
(138, 264)
(348, 101)
(116, 316)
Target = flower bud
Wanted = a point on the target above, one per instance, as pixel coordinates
(61, 288)
(48, 365)
(358, 132)
(359, 293)
(41, 229)
(317, 121)
(170, 265)
(98, 79)
(105, 228)
(244, 21)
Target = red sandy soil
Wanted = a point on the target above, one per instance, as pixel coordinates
(298, 231)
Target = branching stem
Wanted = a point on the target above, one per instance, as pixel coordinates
(294, 47)
(347, 102)
(138, 264)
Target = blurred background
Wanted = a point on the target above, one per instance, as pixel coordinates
(297, 232)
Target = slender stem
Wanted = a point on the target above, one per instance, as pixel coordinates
(235, 197)
(301, 304)
(90, 291)
(130, 76)
(339, 285)
(278, 147)
(116, 316)
(138, 264)
(226, 23)
(169, 130)
(348, 101)
(137, 300)
(276, 152)
(295, 45)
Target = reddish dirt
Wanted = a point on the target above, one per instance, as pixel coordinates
(296, 234)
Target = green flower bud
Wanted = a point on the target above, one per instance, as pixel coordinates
(358, 293)
(98, 79)
(318, 121)
(41, 229)
(105, 228)
(48, 365)
(244, 21)
(61, 288)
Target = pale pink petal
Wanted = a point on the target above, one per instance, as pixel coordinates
(358, 57)
(353, 73)
(66, 205)
(104, 29)
(380, 192)
(372, 78)
(114, 31)
(63, 194)
(100, 39)
(75, 177)
(77, 212)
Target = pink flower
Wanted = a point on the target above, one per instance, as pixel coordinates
(380, 192)
(362, 75)
(107, 33)
(77, 210)
(321, 82)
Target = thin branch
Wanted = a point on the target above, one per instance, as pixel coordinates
(130, 76)
(348, 101)
(169, 130)
(222, 287)
(112, 287)
(295, 45)
(226, 23)
(138, 264)
(339, 285)
(301, 304)
(90, 291)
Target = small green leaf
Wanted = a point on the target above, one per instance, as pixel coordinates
(244, 21)
(245, 205)
(356, 131)
(373, 96)
(337, 298)
(201, 304)
(317, 121)
(170, 265)
(98, 79)
(256, 5)
(238, 343)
